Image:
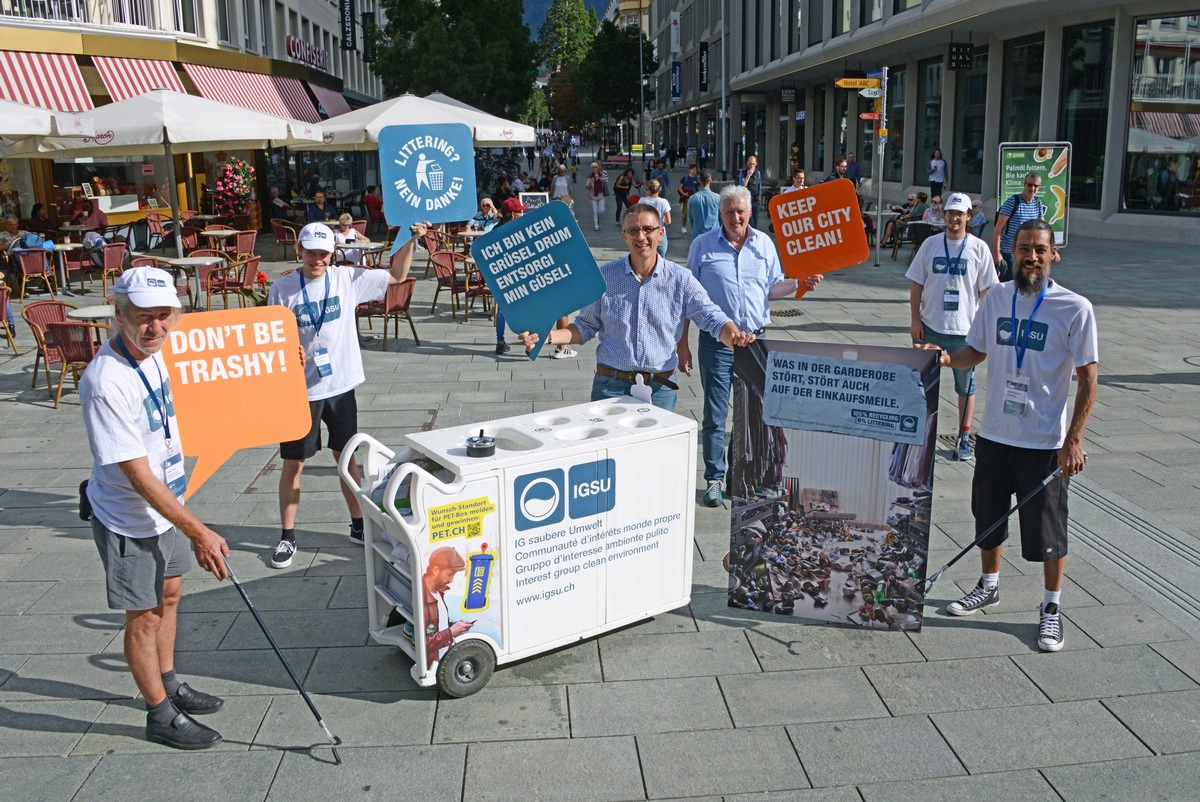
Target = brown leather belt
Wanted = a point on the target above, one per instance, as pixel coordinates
(630, 376)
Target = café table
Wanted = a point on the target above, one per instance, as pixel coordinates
(60, 257)
(191, 265)
(98, 316)
(371, 251)
(73, 228)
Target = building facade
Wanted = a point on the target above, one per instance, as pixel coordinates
(280, 57)
(1121, 82)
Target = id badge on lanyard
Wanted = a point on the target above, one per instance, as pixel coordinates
(1016, 387)
(1016, 395)
(950, 300)
(320, 353)
(173, 469)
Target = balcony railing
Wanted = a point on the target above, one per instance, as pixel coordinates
(1166, 87)
(132, 13)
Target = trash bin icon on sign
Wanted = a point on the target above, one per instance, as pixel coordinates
(429, 173)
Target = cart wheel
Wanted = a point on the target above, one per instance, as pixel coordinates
(466, 668)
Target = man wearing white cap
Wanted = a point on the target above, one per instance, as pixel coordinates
(949, 275)
(323, 298)
(135, 493)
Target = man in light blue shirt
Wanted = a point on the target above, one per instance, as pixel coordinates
(641, 316)
(704, 207)
(739, 268)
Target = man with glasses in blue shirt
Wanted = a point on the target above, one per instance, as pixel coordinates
(641, 317)
(1015, 211)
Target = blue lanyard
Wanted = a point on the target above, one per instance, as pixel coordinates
(162, 383)
(946, 247)
(1019, 343)
(308, 304)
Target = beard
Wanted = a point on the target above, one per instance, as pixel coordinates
(1030, 284)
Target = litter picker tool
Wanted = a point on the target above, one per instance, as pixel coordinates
(996, 525)
(333, 739)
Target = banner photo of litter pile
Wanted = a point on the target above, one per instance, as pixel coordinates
(831, 481)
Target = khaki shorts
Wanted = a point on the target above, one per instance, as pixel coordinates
(134, 567)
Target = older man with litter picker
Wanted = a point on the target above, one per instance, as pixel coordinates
(141, 528)
(1037, 334)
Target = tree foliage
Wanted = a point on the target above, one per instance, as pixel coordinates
(566, 101)
(477, 51)
(566, 35)
(608, 78)
(536, 111)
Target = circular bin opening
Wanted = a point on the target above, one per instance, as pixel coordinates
(551, 420)
(607, 409)
(581, 433)
(636, 422)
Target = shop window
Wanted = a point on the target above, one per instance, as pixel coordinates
(894, 163)
(1163, 140)
(130, 185)
(929, 121)
(818, 128)
(970, 104)
(1087, 63)
(1021, 93)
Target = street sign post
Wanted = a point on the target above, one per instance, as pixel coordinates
(856, 83)
(870, 93)
(868, 115)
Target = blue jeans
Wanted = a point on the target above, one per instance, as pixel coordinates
(499, 327)
(604, 387)
(662, 246)
(716, 377)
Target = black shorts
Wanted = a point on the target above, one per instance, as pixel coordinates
(1003, 472)
(340, 414)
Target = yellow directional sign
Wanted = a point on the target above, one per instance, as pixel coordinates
(883, 132)
(856, 83)
(878, 106)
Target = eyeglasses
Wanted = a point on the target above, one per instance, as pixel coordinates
(1032, 185)
(633, 231)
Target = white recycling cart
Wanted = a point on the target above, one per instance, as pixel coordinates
(498, 541)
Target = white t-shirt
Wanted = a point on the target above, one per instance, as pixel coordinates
(351, 255)
(123, 423)
(348, 287)
(968, 269)
(1062, 338)
(937, 171)
(662, 204)
(560, 186)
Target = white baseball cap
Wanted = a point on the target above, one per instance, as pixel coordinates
(316, 237)
(957, 202)
(148, 287)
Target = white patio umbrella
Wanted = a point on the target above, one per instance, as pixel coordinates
(490, 130)
(18, 120)
(359, 129)
(164, 122)
(1143, 141)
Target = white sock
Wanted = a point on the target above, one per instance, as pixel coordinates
(1051, 597)
(990, 580)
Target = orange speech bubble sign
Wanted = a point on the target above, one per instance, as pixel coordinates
(236, 382)
(819, 229)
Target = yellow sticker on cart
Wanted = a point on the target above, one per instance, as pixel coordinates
(460, 519)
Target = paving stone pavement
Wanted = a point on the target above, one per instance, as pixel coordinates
(705, 702)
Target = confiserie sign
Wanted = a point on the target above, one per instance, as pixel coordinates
(307, 52)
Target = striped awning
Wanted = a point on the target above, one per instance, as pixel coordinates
(299, 104)
(129, 77)
(1167, 123)
(251, 90)
(330, 99)
(46, 80)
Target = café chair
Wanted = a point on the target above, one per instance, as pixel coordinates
(39, 314)
(446, 271)
(285, 236)
(394, 305)
(8, 332)
(73, 339)
(34, 264)
(112, 262)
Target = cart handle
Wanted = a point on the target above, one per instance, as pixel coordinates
(421, 477)
(348, 450)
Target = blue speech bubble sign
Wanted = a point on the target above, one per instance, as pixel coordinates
(539, 268)
(428, 173)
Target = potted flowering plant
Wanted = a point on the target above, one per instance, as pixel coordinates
(234, 182)
(257, 295)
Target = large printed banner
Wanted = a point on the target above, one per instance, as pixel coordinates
(831, 489)
(818, 229)
(539, 268)
(236, 382)
(1051, 161)
(428, 174)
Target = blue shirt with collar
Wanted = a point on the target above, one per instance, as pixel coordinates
(737, 280)
(639, 323)
(704, 211)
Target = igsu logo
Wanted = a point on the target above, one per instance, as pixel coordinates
(544, 498)
(1038, 333)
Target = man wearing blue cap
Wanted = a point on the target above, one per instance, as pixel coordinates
(135, 493)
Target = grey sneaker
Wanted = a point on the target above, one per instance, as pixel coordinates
(976, 600)
(1050, 634)
(712, 495)
(565, 352)
(282, 557)
(963, 451)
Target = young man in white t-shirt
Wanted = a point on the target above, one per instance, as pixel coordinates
(323, 298)
(1035, 334)
(144, 534)
(949, 275)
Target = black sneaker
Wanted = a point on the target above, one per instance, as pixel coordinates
(183, 732)
(976, 600)
(357, 535)
(1050, 633)
(195, 703)
(282, 557)
(502, 348)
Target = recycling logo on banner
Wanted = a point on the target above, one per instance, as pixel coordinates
(428, 173)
